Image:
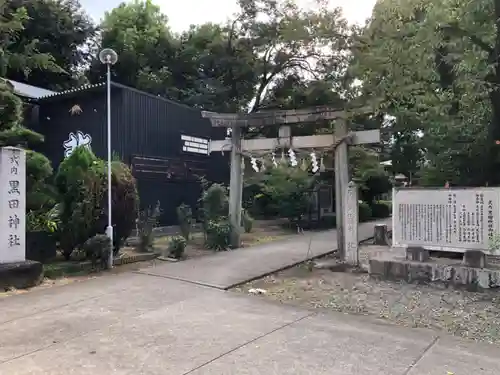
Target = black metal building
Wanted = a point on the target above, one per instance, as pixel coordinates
(164, 142)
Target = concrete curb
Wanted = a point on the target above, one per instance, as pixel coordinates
(87, 265)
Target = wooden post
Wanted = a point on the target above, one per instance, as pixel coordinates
(341, 183)
(235, 186)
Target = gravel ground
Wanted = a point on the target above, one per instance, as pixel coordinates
(470, 315)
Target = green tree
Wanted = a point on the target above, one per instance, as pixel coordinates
(406, 153)
(81, 181)
(217, 70)
(229, 67)
(27, 58)
(40, 197)
(139, 33)
(59, 29)
(431, 80)
(287, 189)
(368, 173)
(290, 40)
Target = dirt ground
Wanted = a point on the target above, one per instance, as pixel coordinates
(470, 315)
(263, 232)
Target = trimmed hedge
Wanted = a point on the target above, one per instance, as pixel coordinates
(365, 212)
(381, 209)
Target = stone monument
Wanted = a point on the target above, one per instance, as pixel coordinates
(15, 271)
(452, 220)
(462, 220)
(351, 225)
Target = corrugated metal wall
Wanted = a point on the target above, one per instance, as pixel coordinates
(154, 129)
(142, 126)
(56, 122)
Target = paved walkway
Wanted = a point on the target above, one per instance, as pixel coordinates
(230, 268)
(135, 324)
(140, 324)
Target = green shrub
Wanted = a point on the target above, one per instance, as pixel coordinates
(176, 247)
(214, 209)
(40, 194)
(365, 212)
(246, 221)
(97, 248)
(387, 203)
(381, 209)
(288, 189)
(185, 218)
(81, 182)
(147, 221)
(328, 222)
(214, 202)
(125, 200)
(218, 234)
(39, 221)
(257, 204)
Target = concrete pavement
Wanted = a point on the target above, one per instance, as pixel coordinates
(146, 324)
(230, 268)
(134, 324)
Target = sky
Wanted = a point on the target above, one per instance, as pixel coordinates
(187, 12)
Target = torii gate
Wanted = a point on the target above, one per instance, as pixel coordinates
(338, 141)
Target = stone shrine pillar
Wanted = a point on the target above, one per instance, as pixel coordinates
(13, 205)
(351, 224)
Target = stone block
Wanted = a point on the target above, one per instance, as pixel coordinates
(474, 258)
(334, 265)
(398, 269)
(380, 235)
(387, 269)
(20, 275)
(417, 254)
(419, 273)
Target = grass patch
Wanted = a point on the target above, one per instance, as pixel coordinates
(65, 269)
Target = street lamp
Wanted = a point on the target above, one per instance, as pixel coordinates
(109, 57)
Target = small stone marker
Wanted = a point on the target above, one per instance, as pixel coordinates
(351, 225)
(380, 235)
(13, 207)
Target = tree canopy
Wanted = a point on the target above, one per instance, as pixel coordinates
(429, 70)
(433, 67)
(57, 38)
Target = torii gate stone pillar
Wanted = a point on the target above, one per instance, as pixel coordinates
(238, 146)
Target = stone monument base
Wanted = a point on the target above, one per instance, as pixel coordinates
(398, 267)
(20, 275)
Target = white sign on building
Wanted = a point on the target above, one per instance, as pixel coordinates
(195, 144)
(13, 207)
(446, 219)
(76, 140)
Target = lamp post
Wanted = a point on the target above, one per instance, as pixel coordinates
(109, 57)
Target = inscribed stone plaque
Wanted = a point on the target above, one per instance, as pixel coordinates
(449, 218)
(351, 225)
(13, 207)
